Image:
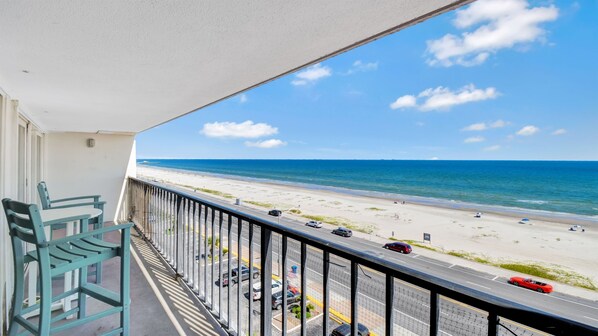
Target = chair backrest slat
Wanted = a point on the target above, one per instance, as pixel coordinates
(24, 235)
(44, 195)
(24, 221)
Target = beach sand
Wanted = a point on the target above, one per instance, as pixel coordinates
(495, 237)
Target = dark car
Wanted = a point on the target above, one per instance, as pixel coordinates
(234, 278)
(341, 231)
(292, 298)
(275, 213)
(345, 330)
(399, 247)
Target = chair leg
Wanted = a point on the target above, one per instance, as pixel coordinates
(45, 311)
(125, 279)
(82, 298)
(98, 266)
(17, 300)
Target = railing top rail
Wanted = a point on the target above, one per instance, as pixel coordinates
(517, 312)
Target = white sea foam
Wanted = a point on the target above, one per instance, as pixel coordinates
(533, 201)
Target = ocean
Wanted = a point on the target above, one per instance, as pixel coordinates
(566, 187)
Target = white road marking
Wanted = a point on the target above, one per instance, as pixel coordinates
(496, 277)
(415, 256)
(591, 318)
(475, 284)
(451, 266)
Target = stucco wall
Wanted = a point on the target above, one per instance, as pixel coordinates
(73, 169)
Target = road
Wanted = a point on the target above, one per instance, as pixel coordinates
(411, 303)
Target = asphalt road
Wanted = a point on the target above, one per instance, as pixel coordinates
(411, 310)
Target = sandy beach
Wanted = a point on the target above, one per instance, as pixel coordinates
(493, 237)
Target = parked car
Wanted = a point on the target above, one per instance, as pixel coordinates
(345, 330)
(399, 247)
(292, 299)
(314, 224)
(538, 286)
(257, 289)
(341, 231)
(234, 278)
(275, 213)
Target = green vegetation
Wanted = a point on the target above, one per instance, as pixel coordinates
(342, 222)
(309, 310)
(214, 192)
(375, 209)
(393, 239)
(208, 191)
(260, 204)
(551, 273)
(420, 245)
(295, 211)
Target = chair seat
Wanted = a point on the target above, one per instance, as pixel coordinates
(76, 254)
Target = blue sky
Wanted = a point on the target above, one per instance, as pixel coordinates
(507, 80)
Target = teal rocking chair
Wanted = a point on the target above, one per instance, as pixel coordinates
(56, 257)
(71, 202)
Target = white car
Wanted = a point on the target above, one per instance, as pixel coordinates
(315, 224)
(257, 289)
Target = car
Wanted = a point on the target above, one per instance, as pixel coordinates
(234, 278)
(314, 224)
(341, 231)
(538, 286)
(292, 299)
(275, 213)
(345, 330)
(399, 247)
(257, 289)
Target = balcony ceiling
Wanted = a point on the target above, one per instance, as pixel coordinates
(126, 66)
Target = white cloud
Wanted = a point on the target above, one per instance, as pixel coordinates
(500, 24)
(359, 66)
(419, 123)
(434, 158)
(474, 139)
(492, 148)
(311, 74)
(272, 143)
(243, 98)
(245, 129)
(560, 131)
(499, 124)
(475, 127)
(483, 126)
(528, 130)
(442, 98)
(403, 102)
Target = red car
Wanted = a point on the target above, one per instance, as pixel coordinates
(399, 247)
(538, 286)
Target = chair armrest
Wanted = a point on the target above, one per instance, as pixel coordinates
(86, 234)
(96, 198)
(97, 205)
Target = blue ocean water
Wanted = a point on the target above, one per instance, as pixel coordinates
(555, 186)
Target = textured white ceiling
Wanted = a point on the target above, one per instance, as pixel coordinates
(126, 66)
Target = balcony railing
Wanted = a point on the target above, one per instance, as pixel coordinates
(203, 240)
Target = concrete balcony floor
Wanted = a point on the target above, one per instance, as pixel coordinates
(160, 305)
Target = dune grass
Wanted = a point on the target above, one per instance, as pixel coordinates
(341, 222)
(375, 209)
(260, 204)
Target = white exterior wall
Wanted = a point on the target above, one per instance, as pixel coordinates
(73, 169)
(8, 188)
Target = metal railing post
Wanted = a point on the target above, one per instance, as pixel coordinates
(266, 278)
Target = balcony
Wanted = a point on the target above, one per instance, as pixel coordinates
(201, 240)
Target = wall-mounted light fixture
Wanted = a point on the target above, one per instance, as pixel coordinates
(91, 142)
